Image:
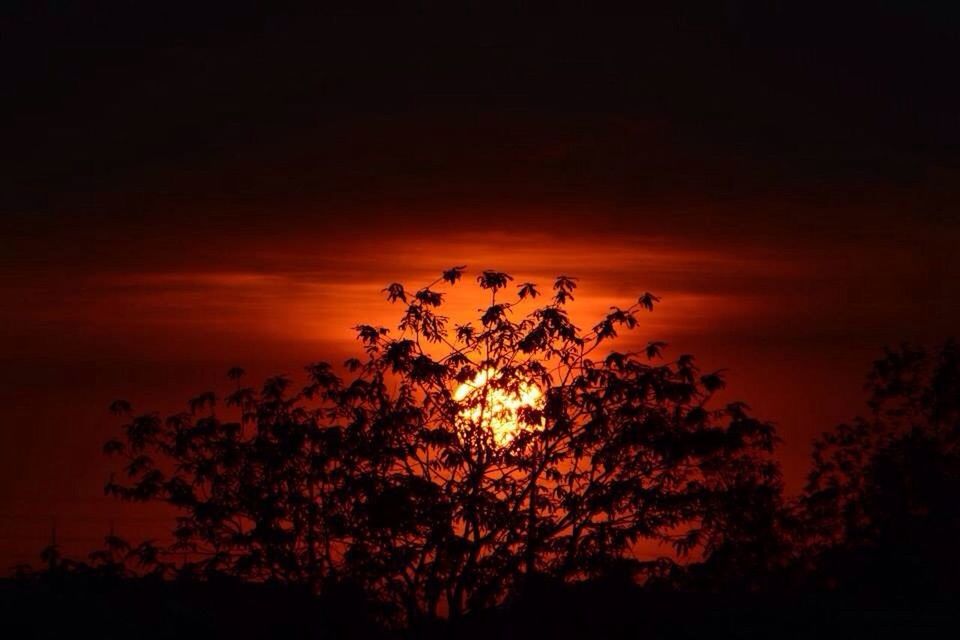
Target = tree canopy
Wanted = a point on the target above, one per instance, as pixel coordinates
(880, 508)
(454, 461)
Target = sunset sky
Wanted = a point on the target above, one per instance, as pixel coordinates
(183, 193)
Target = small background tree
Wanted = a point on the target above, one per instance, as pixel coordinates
(880, 504)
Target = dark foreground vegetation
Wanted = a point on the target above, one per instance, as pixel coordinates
(152, 609)
(413, 501)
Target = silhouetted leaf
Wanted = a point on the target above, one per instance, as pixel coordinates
(527, 289)
(453, 274)
(647, 301)
(120, 407)
(395, 292)
(493, 280)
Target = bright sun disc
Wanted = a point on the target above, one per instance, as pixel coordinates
(498, 412)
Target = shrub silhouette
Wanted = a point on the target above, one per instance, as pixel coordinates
(459, 461)
(880, 504)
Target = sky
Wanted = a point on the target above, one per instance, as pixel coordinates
(183, 191)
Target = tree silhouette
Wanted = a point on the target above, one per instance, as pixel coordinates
(880, 503)
(459, 461)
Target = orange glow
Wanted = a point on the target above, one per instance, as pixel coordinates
(159, 326)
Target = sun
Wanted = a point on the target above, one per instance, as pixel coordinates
(497, 411)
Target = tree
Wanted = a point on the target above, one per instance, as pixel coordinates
(880, 503)
(458, 462)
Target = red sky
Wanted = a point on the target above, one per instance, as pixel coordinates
(184, 196)
(795, 323)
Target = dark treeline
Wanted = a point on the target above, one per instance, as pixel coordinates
(494, 478)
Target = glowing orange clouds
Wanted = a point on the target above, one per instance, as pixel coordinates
(315, 298)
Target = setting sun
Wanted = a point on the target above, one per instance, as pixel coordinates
(497, 410)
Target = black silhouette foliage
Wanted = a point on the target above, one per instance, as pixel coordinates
(880, 507)
(398, 482)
